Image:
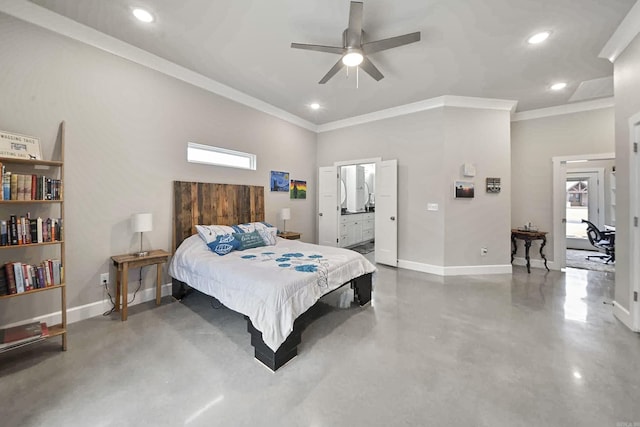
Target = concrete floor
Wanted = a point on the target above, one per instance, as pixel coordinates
(537, 349)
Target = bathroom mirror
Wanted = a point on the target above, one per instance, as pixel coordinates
(357, 187)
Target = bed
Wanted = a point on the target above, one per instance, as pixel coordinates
(273, 286)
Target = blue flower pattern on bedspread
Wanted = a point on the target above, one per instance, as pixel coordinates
(307, 268)
(297, 261)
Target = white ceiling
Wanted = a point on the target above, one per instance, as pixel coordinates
(468, 47)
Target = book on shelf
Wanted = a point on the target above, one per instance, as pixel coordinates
(13, 230)
(11, 278)
(17, 271)
(4, 235)
(22, 334)
(6, 185)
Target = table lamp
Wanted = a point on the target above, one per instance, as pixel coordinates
(142, 222)
(285, 214)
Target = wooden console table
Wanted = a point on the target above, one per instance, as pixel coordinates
(124, 262)
(528, 237)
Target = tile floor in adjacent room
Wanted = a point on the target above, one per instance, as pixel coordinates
(537, 349)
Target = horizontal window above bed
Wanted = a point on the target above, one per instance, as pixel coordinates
(209, 155)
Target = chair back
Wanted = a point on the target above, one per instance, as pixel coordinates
(593, 234)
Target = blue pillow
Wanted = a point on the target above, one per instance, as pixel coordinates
(224, 244)
(249, 240)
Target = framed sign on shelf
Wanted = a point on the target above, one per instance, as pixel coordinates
(19, 146)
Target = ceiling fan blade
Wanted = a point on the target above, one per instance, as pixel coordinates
(368, 67)
(318, 48)
(354, 32)
(377, 46)
(332, 72)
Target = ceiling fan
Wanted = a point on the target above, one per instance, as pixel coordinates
(354, 50)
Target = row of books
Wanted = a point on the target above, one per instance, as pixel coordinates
(29, 187)
(16, 277)
(25, 230)
(22, 334)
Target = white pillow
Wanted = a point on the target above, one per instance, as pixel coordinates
(209, 233)
(269, 234)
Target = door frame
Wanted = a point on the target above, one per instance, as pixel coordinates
(559, 202)
(601, 205)
(634, 205)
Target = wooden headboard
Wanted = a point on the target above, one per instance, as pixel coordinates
(197, 203)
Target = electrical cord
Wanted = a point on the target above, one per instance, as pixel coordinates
(113, 304)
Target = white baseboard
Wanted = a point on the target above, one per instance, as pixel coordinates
(535, 263)
(623, 315)
(82, 312)
(463, 270)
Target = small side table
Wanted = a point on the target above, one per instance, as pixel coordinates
(124, 262)
(290, 235)
(528, 237)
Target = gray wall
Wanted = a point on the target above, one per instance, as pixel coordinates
(533, 144)
(431, 147)
(127, 129)
(626, 79)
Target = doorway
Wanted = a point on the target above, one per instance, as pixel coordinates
(580, 164)
(583, 202)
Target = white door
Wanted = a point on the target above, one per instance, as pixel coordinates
(328, 208)
(386, 222)
(583, 202)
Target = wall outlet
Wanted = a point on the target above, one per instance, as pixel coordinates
(483, 251)
(104, 278)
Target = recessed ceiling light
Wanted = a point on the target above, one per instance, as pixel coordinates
(315, 106)
(143, 15)
(539, 38)
(558, 86)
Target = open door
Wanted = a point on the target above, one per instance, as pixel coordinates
(386, 241)
(328, 208)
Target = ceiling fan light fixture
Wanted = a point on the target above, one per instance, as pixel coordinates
(353, 58)
(558, 86)
(314, 106)
(539, 37)
(143, 15)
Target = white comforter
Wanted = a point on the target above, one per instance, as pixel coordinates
(272, 285)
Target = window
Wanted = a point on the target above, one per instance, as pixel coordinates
(198, 153)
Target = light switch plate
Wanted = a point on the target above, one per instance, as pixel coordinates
(432, 206)
(469, 169)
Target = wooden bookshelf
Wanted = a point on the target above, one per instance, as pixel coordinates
(55, 170)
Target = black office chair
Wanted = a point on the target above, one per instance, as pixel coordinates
(602, 240)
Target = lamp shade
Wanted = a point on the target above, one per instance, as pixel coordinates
(285, 213)
(142, 222)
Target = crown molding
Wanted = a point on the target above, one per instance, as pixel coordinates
(578, 107)
(623, 36)
(37, 15)
(427, 104)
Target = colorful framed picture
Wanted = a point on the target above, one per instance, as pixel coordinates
(463, 190)
(279, 181)
(298, 189)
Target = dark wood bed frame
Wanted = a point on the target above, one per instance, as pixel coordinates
(227, 204)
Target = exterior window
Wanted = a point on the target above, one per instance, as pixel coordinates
(198, 153)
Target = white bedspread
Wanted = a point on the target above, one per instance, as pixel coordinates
(272, 285)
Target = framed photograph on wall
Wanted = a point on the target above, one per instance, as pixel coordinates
(463, 190)
(279, 181)
(493, 185)
(298, 189)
